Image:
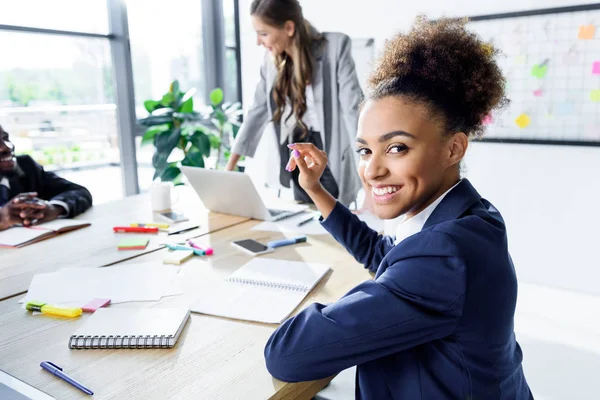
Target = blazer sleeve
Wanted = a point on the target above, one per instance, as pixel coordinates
(350, 93)
(252, 128)
(418, 299)
(365, 245)
(51, 187)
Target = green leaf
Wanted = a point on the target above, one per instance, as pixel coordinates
(166, 141)
(178, 181)
(153, 120)
(170, 173)
(152, 132)
(216, 96)
(193, 159)
(201, 141)
(189, 94)
(220, 116)
(151, 105)
(215, 142)
(235, 128)
(159, 162)
(187, 106)
(174, 88)
(167, 99)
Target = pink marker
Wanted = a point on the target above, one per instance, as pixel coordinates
(209, 251)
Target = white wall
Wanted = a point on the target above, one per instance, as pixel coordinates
(549, 195)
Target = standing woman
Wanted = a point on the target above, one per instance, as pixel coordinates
(310, 91)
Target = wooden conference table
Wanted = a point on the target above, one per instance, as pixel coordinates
(215, 358)
(96, 245)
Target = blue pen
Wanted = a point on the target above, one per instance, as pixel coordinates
(285, 242)
(197, 252)
(57, 371)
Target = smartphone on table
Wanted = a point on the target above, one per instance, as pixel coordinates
(252, 247)
(173, 217)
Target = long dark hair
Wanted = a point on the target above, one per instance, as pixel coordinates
(292, 74)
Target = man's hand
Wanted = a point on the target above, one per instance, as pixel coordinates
(20, 206)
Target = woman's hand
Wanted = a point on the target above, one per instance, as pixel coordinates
(311, 162)
(232, 163)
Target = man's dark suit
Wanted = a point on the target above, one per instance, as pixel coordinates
(31, 177)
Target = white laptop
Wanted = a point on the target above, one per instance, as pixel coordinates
(234, 193)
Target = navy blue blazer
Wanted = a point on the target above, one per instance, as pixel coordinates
(31, 177)
(435, 323)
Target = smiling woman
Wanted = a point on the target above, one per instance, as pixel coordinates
(437, 320)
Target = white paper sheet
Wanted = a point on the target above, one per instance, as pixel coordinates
(123, 283)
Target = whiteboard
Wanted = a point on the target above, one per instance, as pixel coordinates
(551, 62)
(363, 54)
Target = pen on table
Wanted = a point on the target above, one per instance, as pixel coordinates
(197, 252)
(306, 221)
(284, 242)
(58, 371)
(208, 250)
(53, 310)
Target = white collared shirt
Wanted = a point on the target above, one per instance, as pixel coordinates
(5, 182)
(408, 227)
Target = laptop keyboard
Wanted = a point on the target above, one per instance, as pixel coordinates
(275, 213)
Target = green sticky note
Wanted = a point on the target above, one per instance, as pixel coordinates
(539, 71)
(133, 244)
(595, 95)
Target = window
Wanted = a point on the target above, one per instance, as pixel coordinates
(65, 15)
(166, 44)
(57, 101)
(232, 63)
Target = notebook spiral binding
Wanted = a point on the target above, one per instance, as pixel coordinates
(119, 342)
(286, 286)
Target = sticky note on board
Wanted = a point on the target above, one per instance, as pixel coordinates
(487, 120)
(133, 244)
(538, 92)
(177, 257)
(596, 68)
(487, 48)
(595, 95)
(539, 71)
(523, 121)
(586, 32)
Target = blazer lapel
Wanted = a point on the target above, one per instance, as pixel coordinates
(454, 204)
(318, 89)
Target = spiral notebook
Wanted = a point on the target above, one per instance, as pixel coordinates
(133, 328)
(263, 290)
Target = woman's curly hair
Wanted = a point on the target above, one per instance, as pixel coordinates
(447, 68)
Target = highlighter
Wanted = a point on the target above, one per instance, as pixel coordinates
(53, 310)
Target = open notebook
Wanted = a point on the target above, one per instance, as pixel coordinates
(19, 236)
(264, 290)
(133, 328)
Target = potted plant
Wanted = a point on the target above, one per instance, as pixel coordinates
(177, 132)
(225, 119)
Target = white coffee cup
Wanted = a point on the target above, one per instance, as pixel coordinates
(160, 195)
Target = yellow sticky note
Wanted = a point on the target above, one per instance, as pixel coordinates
(520, 59)
(523, 121)
(595, 95)
(586, 32)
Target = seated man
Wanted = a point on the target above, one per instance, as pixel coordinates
(29, 195)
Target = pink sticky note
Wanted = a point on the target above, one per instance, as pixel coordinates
(487, 120)
(538, 92)
(596, 68)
